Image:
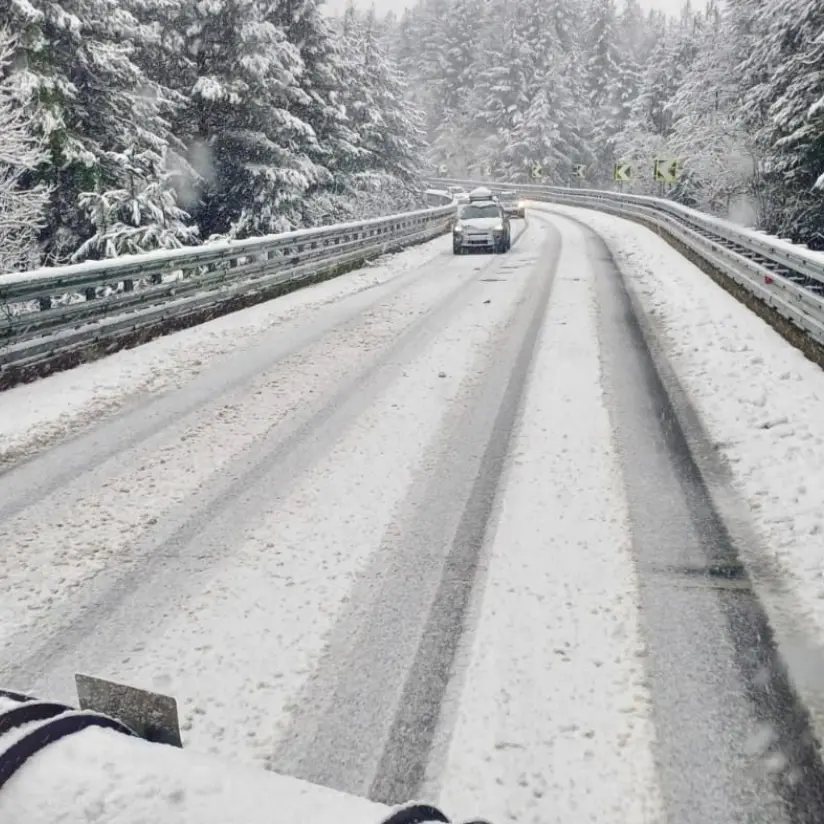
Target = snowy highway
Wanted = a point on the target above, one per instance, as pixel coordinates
(505, 532)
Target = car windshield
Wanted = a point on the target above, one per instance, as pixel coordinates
(474, 210)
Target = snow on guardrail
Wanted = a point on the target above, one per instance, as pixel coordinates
(54, 317)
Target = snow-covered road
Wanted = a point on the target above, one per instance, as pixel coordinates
(430, 529)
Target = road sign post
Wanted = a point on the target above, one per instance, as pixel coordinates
(621, 174)
(579, 173)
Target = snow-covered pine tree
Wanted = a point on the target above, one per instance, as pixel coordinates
(551, 130)
(414, 46)
(160, 51)
(649, 127)
(459, 40)
(501, 93)
(708, 126)
(22, 206)
(322, 82)
(788, 61)
(632, 54)
(551, 133)
(431, 21)
(142, 215)
(387, 129)
(255, 156)
(604, 88)
(92, 102)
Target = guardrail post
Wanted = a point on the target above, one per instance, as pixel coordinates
(90, 293)
(157, 279)
(128, 286)
(44, 303)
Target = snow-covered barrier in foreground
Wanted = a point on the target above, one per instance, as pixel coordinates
(50, 315)
(789, 279)
(58, 763)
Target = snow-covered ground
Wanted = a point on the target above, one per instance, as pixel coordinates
(215, 558)
(34, 415)
(103, 775)
(553, 724)
(761, 400)
(290, 570)
(123, 506)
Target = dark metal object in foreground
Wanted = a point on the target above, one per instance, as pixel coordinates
(152, 716)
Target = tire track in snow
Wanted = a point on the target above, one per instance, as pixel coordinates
(550, 723)
(170, 556)
(368, 719)
(733, 741)
(147, 423)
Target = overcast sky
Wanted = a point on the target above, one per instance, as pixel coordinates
(400, 5)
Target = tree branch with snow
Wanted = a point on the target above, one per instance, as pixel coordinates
(21, 151)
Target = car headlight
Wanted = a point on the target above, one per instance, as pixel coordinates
(457, 228)
(499, 227)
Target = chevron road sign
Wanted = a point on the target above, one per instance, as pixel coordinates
(667, 170)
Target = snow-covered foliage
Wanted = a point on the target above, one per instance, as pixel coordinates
(141, 216)
(168, 121)
(735, 90)
(21, 152)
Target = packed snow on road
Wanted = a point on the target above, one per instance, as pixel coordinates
(533, 535)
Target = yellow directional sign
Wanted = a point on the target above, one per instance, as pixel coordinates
(443, 169)
(537, 171)
(667, 170)
(623, 173)
(579, 170)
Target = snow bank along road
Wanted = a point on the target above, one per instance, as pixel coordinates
(431, 530)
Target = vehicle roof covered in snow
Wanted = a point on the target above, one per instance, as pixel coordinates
(481, 193)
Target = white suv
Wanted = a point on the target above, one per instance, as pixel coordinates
(481, 224)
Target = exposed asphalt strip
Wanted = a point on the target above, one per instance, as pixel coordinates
(144, 421)
(733, 741)
(171, 557)
(368, 720)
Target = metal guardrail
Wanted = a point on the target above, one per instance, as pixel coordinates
(787, 278)
(55, 311)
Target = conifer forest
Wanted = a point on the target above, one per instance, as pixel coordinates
(153, 124)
